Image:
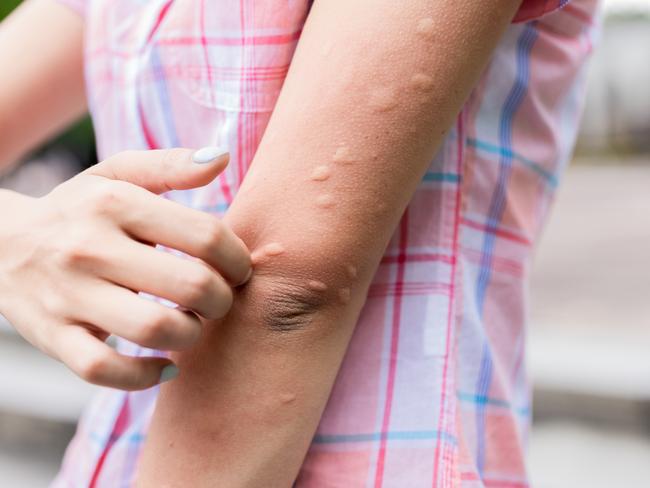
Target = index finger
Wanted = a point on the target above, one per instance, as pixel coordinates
(199, 234)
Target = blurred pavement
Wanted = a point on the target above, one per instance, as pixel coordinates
(589, 341)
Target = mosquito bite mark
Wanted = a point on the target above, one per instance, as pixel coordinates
(267, 251)
(325, 201)
(426, 28)
(317, 285)
(321, 173)
(343, 155)
(287, 398)
(382, 99)
(422, 82)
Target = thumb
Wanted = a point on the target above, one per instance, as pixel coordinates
(163, 170)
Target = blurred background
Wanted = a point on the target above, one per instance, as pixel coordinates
(589, 351)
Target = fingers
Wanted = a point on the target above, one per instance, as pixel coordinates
(166, 169)
(97, 363)
(122, 312)
(187, 282)
(157, 220)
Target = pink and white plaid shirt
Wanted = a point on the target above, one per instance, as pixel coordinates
(433, 389)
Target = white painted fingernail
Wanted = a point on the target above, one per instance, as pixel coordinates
(169, 372)
(208, 154)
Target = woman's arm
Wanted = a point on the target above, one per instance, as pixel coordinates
(42, 75)
(372, 89)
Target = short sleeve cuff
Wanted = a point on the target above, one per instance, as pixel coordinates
(533, 9)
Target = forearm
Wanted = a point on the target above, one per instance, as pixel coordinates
(371, 107)
(42, 76)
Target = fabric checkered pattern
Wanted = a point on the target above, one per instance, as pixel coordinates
(433, 389)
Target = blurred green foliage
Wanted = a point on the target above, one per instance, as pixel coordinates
(7, 6)
(79, 138)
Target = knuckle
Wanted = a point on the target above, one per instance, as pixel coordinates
(154, 328)
(106, 198)
(55, 304)
(198, 285)
(92, 368)
(212, 235)
(78, 248)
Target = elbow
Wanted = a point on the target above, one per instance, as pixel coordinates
(296, 287)
(292, 305)
(296, 305)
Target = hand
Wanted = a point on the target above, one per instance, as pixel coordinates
(72, 264)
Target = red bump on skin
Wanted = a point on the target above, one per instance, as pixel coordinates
(258, 256)
(273, 249)
(287, 397)
(426, 28)
(325, 201)
(383, 99)
(268, 250)
(422, 82)
(317, 285)
(321, 173)
(342, 155)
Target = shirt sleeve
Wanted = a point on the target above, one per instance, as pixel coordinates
(78, 6)
(529, 10)
(532, 9)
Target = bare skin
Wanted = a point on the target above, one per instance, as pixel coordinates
(73, 261)
(34, 68)
(373, 107)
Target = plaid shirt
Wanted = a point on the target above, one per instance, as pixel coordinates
(433, 389)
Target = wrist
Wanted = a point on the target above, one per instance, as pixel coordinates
(12, 214)
(13, 208)
(10, 201)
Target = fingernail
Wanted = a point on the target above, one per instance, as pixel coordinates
(169, 372)
(208, 154)
(248, 277)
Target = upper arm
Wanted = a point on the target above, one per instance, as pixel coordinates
(42, 75)
(371, 90)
